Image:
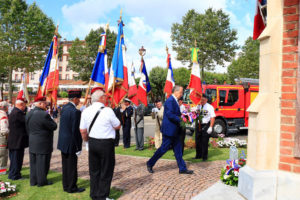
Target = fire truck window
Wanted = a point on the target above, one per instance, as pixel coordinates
(222, 97)
(233, 96)
(211, 95)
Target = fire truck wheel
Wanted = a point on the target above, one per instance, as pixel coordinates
(219, 128)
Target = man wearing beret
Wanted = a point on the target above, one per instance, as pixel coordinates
(70, 141)
(17, 138)
(40, 127)
(127, 112)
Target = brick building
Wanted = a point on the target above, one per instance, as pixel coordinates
(273, 164)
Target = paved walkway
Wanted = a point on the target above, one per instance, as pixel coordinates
(132, 176)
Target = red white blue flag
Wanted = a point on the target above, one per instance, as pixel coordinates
(259, 18)
(170, 82)
(144, 85)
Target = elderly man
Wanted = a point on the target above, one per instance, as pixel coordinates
(157, 114)
(171, 129)
(139, 126)
(40, 127)
(3, 136)
(17, 139)
(97, 126)
(70, 142)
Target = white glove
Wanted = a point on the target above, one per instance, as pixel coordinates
(78, 153)
(87, 146)
(209, 130)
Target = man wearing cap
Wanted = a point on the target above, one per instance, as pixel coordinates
(40, 127)
(127, 112)
(205, 129)
(70, 141)
(3, 136)
(17, 139)
(97, 126)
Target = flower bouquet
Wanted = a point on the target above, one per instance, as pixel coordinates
(151, 142)
(6, 189)
(230, 173)
(189, 116)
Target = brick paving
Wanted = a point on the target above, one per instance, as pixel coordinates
(132, 177)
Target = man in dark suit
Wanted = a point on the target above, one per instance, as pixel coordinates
(17, 139)
(127, 112)
(170, 130)
(40, 127)
(70, 141)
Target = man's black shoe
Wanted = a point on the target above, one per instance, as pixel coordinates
(150, 170)
(186, 172)
(48, 183)
(78, 190)
(204, 159)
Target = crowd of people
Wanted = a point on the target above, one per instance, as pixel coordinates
(99, 127)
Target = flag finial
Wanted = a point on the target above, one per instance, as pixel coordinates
(167, 49)
(106, 27)
(195, 43)
(56, 30)
(121, 14)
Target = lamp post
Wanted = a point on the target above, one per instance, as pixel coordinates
(142, 52)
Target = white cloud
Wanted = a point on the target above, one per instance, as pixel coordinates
(248, 20)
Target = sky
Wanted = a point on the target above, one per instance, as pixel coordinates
(147, 22)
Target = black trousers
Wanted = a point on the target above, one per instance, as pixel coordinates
(117, 139)
(202, 138)
(126, 135)
(182, 135)
(16, 157)
(39, 168)
(101, 167)
(69, 172)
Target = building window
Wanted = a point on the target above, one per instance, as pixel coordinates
(16, 77)
(60, 77)
(32, 76)
(67, 76)
(60, 58)
(67, 68)
(60, 68)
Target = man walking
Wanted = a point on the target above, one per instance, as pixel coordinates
(70, 142)
(170, 130)
(205, 129)
(127, 112)
(3, 136)
(40, 127)
(139, 127)
(97, 126)
(17, 139)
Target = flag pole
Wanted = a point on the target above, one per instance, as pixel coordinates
(87, 92)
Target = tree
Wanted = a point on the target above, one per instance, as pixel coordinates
(215, 78)
(213, 35)
(182, 76)
(247, 64)
(157, 77)
(83, 53)
(25, 36)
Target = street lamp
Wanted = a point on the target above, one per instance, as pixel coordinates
(142, 51)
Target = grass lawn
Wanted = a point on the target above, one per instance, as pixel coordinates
(188, 155)
(51, 192)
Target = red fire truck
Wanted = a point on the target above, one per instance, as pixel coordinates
(231, 103)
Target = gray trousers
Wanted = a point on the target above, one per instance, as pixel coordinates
(139, 138)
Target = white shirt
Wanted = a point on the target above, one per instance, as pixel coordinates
(175, 99)
(103, 127)
(208, 112)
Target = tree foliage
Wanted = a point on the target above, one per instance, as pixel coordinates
(247, 64)
(182, 76)
(83, 53)
(25, 36)
(215, 78)
(157, 77)
(211, 30)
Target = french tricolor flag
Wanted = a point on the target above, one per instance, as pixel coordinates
(170, 83)
(23, 89)
(259, 18)
(144, 85)
(195, 81)
(132, 91)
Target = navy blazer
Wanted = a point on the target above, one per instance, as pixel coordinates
(171, 119)
(69, 139)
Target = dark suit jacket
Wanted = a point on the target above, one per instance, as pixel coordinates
(40, 127)
(17, 137)
(126, 116)
(171, 120)
(69, 139)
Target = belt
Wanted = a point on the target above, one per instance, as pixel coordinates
(105, 139)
